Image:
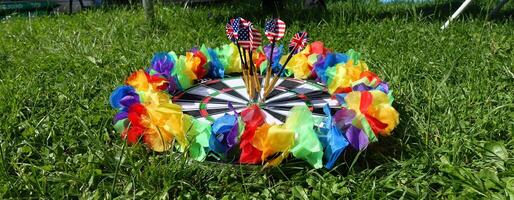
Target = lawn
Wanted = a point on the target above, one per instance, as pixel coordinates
(454, 91)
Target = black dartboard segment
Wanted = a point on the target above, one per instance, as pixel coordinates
(209, 99)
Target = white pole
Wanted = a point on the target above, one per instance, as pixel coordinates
(149, 11)
(456, 14)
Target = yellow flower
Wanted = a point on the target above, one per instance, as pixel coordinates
(374, 108)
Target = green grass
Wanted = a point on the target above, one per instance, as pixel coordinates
(454, 91)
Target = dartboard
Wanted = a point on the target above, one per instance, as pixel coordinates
(209, 99)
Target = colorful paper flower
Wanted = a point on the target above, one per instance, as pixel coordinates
(149, 112)
(195, 62)
(318, 48)
(225, 131)
(162, 64)
(277, 54)
(273, 139)
(374, 116)
(123, 97)
(341, 76)
(234, 59)
(184, 75)
(332, 138)
(253, 117)
(306, 145)
(214, 65)
(141, 81)
(198, 133)
(164, 122)
(299, 64)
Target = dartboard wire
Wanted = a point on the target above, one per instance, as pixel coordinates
(219, 94)
(213, 106)
(205, 106)
(288, 103)
(285, 84)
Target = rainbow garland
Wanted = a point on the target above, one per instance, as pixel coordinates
(146, 112)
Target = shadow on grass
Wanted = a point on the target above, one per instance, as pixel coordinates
(442, 11)
(293, 11)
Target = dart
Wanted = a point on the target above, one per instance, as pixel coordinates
(255, 42)
(274, 30)
(296, 45)
(250, 39)
(232, 31)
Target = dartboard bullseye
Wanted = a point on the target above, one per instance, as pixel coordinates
(209, 99)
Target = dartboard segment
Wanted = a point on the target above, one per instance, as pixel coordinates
(284, 84)
(220, 85)
(237, 84)
(277, 114)
(209, 100)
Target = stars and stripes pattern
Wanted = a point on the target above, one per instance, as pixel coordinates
(275, 29)
(298, 42)
(233, 26)
(249, 37)
(237, 25)
(244, 37)
(255, 38)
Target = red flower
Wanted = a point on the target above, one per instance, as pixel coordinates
(260, 58)
(136, 113)
(253, 118)
(158, 82)
(370, 75)
(200, 71)
(318, 48)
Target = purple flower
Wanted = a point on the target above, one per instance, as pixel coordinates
(162, 65)
(277, 54)
(123, 97)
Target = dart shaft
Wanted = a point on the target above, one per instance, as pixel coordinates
(277, 75)
(269, 69)
(266, 83)
(254, 76)
(248, 76)
(245, 79)
(243, 69)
